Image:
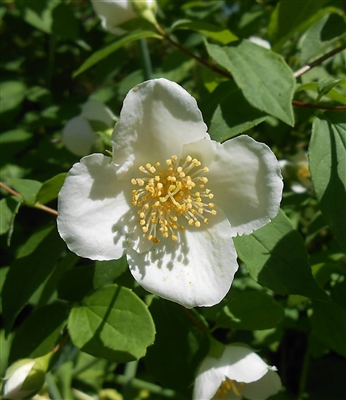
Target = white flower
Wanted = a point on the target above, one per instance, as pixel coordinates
(296, 172)
(238, 373)
(260, 42)
(171, 198)
(116, 12)
(25, 377)
(78, 135)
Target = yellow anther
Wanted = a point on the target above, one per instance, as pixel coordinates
(171, 197)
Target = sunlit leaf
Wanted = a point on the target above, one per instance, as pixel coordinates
(215, 32)
(112, 323)
(50, 189)
(263, 76)
(233, 115)
(27, 188)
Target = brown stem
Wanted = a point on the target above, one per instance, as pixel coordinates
(194, 320)
(309, 105)
(36, 205)
(62, 341)
(318, 61)
(188, 52)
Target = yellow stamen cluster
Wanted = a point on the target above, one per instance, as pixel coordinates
(164, 195)
(226, 386)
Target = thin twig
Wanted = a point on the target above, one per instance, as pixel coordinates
(36, 205)
(229, 76)
(194, 320)
(188, 52)
(318, 61)
(317, 106)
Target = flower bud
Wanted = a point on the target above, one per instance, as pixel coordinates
(25, 377)
(78, 134)
(117, 12)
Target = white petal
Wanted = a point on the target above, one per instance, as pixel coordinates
(93, 211)
(246, 181)
(12, 386)
(242, 364)
(78, 136)
(208, 380)
(158, 117)
(94, 110)
(260, 42)
(113, 13)
(195, 271)
(268, 385)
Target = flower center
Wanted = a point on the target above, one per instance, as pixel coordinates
(226, 386)
(167, 197)
(303, 172)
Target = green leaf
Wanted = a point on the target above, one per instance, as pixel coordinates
(34, 262)
(326, 84)
(233, 115)
(275, 256)
(327, 160)
(8, 209)
(328, 323)
(263, 76)
(27, 188)
(290, 16)
(250, 310)
(50, 189)
(333, 94)
(106, 51)
(215, 32)
(324, 33)
(40, 332)
(112, 323)
(12, 93)
(177, 352)
(79, 282)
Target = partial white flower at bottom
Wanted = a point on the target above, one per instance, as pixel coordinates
(238, 373)
(171, 198)
(78, 135)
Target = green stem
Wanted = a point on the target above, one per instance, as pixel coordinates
(52, 387)
(147, 68)
(303, 375)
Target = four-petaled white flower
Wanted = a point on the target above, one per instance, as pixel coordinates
(116, 12)
(78, 134)
(171, 198)
(238, 373)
